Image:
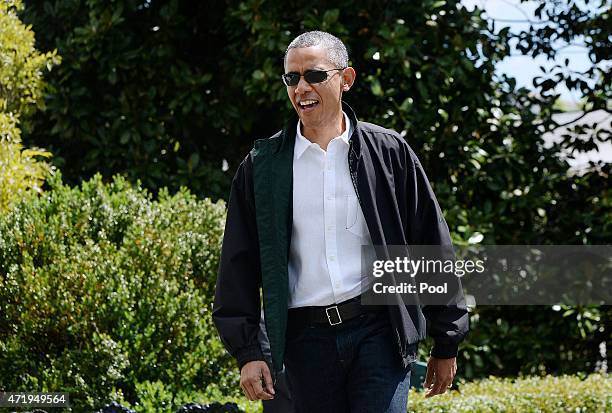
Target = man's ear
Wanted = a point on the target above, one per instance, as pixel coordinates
(348, 78)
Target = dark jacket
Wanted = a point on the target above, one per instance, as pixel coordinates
(399, 207)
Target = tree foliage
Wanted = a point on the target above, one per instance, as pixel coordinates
(165, 91)
(21, 172)
(21, 72)
(558, 26)
(138, 91)
(21, 88)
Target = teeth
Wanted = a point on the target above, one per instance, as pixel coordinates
(307, 102)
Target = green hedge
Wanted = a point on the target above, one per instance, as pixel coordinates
(156, 397)
(105, 293)
(103, 289)
(526, 395)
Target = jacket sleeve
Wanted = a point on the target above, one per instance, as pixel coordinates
(236, 308)
(446, 324)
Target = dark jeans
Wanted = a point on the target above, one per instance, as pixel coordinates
(352, 367)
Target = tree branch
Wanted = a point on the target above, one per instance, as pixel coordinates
(517, 20)
(577, 119)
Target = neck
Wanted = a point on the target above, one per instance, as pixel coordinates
(324, 134)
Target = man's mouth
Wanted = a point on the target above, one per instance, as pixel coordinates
(308, 104)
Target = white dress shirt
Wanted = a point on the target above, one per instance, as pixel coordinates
(328, 224)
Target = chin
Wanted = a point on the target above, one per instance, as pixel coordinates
(309, 123)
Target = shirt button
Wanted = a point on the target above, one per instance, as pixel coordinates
(329, 167)
(332, 257)
(337, 285)
(330, 228)
(330, 197)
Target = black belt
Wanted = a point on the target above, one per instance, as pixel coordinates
(329, 315)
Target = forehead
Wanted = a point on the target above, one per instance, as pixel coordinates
(305, 58)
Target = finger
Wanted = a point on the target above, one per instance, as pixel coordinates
(430, 392)
(256, 386)
(429, 375)
(442, 389)
(259, 391)
(430, 388)
(246, 392)
(436, 388)
(445, 385)
(250, 394)
(251, 389)
(442, 386)
(268, 380)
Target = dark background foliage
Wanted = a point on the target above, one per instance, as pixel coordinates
(167, 91)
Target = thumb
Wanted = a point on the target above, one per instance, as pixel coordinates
(267, 378)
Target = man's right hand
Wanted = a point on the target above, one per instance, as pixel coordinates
(251, 377)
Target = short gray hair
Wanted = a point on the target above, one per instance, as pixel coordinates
(337, 53)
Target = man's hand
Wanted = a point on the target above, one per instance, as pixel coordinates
(251, 377)
(440, 375)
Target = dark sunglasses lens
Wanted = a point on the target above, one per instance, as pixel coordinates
(291, 79)
(315, 76)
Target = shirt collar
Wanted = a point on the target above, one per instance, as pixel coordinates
(302, 143)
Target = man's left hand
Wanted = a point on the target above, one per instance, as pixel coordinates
(440, 375)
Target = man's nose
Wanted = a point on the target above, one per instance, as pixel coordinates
(302, 86)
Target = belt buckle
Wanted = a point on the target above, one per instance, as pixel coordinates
(335, 307)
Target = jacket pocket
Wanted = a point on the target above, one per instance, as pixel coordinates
(354, 219)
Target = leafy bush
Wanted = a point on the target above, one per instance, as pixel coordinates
(526, 395)
(103, 288)
(20, 171)
(535, 340)
(155, 397)
(21, 88)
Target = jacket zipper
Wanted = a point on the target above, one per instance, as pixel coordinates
(353, 173)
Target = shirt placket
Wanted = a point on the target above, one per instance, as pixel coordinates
(329, 209)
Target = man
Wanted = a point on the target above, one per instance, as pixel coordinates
(302, 204)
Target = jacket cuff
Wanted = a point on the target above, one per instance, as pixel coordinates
(443, 350)
(248, 353)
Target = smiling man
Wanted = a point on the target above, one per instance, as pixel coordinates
(314, 94)
(302, 204)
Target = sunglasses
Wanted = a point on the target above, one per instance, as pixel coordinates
(311, 76)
